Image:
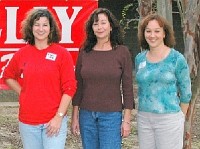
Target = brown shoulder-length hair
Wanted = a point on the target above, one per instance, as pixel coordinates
(34, 15)
(169, 39)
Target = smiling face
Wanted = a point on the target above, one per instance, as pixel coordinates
(154, 34)
(41, 30)
(102, 27)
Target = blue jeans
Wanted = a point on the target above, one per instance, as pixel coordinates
(35, 137)
(100, 130)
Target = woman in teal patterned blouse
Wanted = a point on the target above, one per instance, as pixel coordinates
(164, 86)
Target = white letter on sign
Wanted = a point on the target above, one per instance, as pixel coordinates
(11, 25)
(3, 59)
(66, 22)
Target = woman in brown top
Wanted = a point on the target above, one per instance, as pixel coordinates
(104, 75)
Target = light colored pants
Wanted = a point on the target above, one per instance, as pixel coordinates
(35, 137)
(160, 131)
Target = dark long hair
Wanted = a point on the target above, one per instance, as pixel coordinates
(116, 35)
(34, 15)
(169, 39)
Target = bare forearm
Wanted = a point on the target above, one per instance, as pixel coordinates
(75, 121)
(64, 104)
(13, 84)
(126, 124)
(127, 115)
(75, 112)
(184, 107)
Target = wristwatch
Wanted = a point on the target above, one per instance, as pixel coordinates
(60, 114)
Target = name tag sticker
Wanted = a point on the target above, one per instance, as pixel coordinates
(142, 65)
(51, 56)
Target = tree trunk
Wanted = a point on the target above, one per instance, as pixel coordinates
(190, 114)
(164, 8)
(145, 7)
(191, 20)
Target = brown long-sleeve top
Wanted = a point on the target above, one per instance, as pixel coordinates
(99, 75)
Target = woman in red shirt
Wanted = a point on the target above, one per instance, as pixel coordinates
(48, 82)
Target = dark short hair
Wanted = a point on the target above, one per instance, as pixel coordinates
(34, 15)
(116, 35)
(169, 39)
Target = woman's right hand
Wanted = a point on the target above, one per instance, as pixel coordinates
(75, 129)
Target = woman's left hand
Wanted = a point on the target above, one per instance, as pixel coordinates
(53, 126)
(125, 129)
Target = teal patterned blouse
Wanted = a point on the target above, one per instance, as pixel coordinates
(163, 85)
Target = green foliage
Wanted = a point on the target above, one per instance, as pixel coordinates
(130, 16)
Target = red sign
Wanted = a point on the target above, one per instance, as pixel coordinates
(70, 14)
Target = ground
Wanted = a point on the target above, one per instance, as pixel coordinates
(10, 139)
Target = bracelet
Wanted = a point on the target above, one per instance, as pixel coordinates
(126, 122)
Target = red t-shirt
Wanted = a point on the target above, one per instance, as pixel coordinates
(47, 75)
